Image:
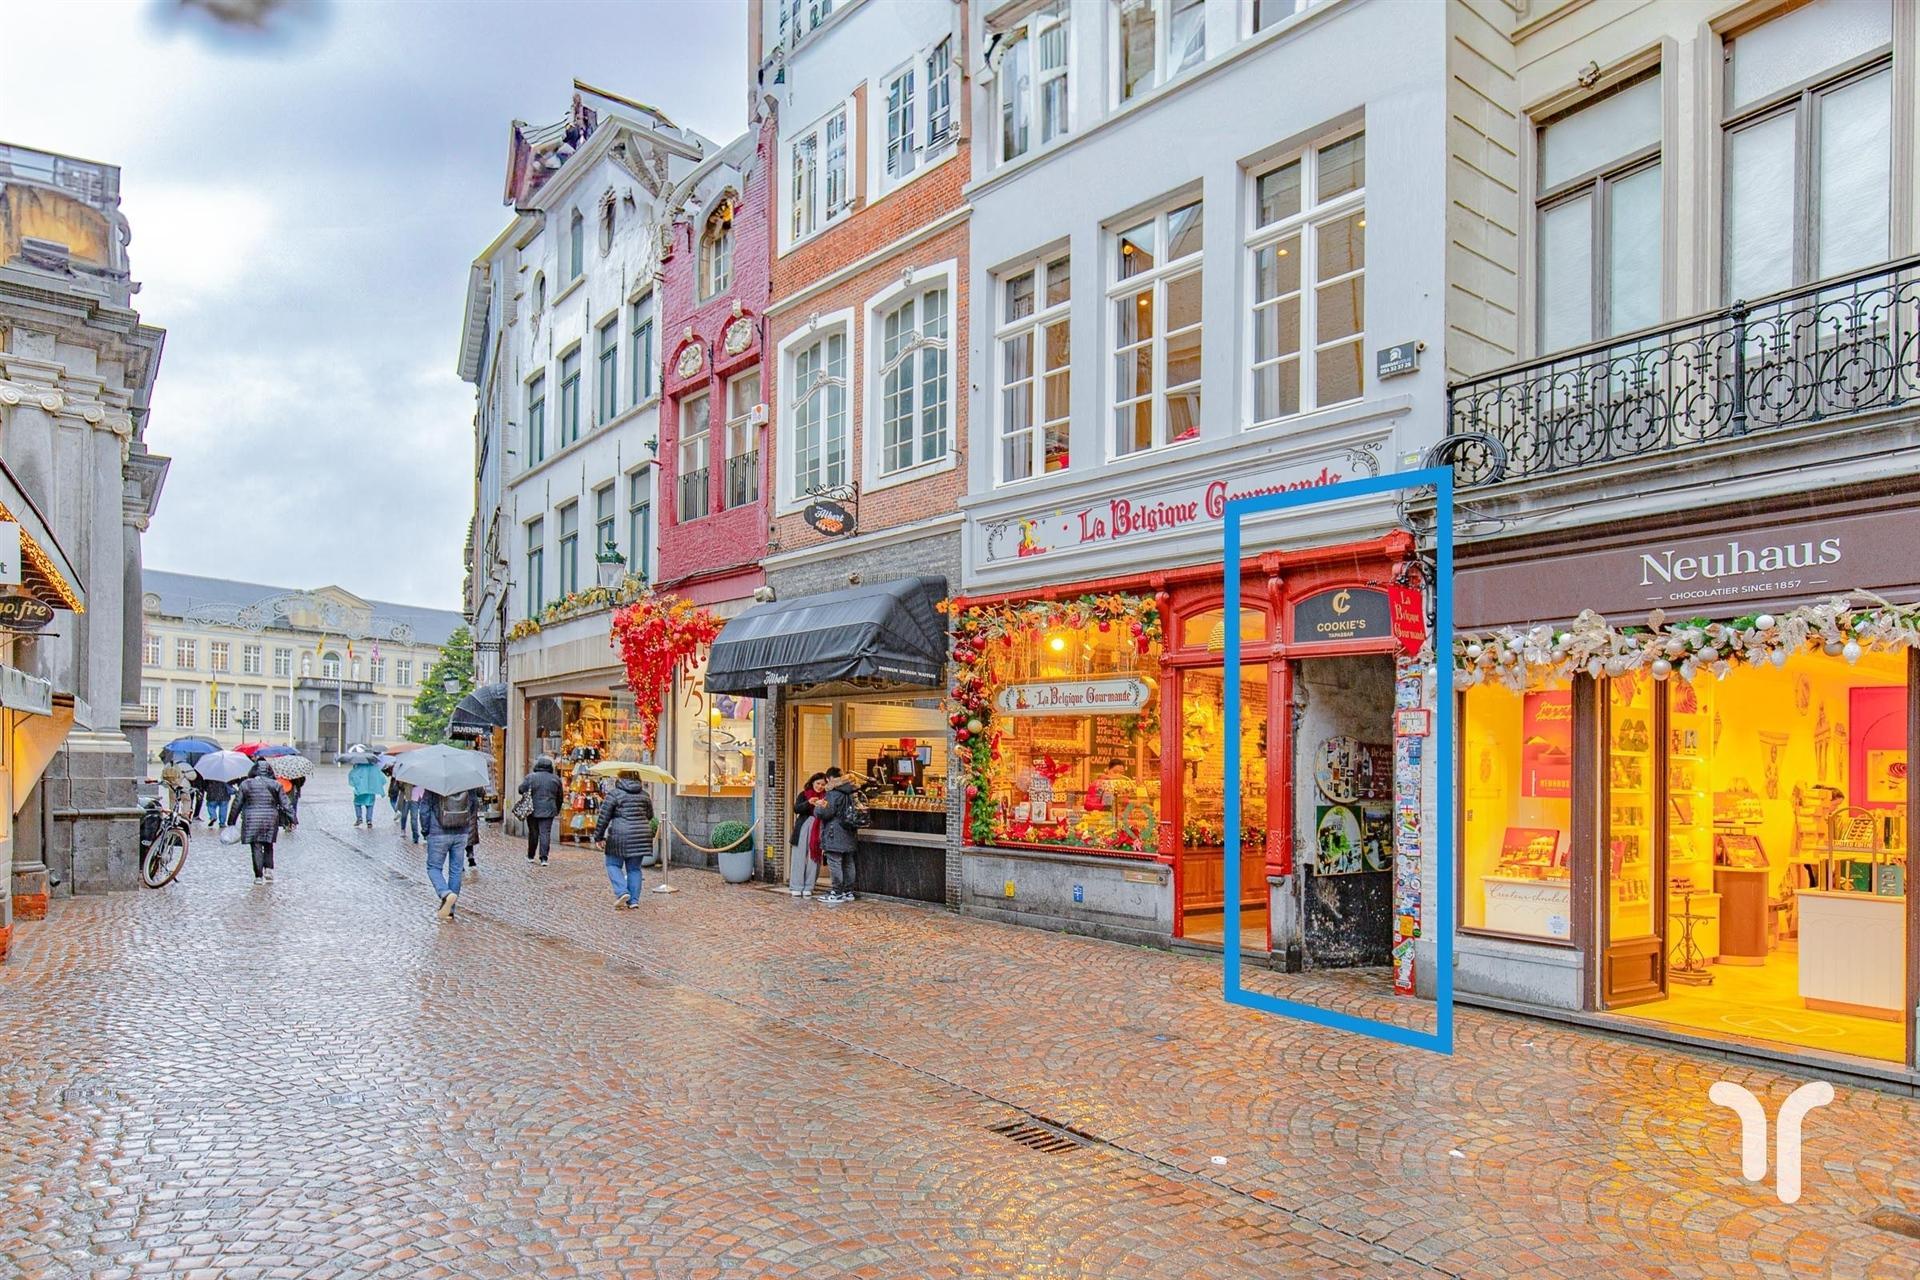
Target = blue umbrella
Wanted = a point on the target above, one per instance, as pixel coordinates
(268, 753)
(188, 749)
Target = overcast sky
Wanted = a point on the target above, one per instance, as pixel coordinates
(304, 211)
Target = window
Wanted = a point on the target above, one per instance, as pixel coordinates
(1032, 83)
(818, 409)
(798, 17)
(640, 347)
(283, 663)
(716, 252)
(902, 154)
(186, 654)
(539, 292)
(1158, 39)
(913, 382)
(694, 494)
(183, 704)
(377, 670)
(639, 524)
(606, 397)
(250, 660)
(909, 143)
(329, 665)
(536, 571)
(219, 709)
(219, 655)
(603, 532)
(606, 224)
(1156, 334)
(1599, 218)
(939, 96)
(569, 549)
(1309, 259)
(403, 715)
(1268, 12)
(818, 197)
(1809, 161)
(576, 246)
(537, 419)
(1516, 835)
(250, 711)
(570, 397)
(1035, 359)
(743, 440)
(377, 720)
(403, 673)
(150, 701)
(282, 713)
(149, 650)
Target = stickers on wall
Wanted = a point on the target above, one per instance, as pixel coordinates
(1406, 693)
(1337, 840)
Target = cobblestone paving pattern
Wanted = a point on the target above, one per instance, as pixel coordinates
(318, 1079)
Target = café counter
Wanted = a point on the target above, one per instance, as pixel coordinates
(904, 853)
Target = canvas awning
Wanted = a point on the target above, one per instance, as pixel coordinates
(886, 631)
(483, 708)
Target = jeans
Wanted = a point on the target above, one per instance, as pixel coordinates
(539, 837)
(216, 813)
(262, 857)
(363, 810)
(843, 870)
(413, 820)
(625, 875)
(446, 861)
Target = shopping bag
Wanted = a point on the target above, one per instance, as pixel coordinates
(230, 834)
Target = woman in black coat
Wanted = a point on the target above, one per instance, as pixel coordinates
(258, 806)
(543, 790)
(625, 826)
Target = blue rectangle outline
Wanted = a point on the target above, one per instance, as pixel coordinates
(1440, 847)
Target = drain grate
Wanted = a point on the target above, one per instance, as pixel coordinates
(1896, 1221)
(1035, 1135)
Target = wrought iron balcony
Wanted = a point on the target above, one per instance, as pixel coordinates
(1826, 351)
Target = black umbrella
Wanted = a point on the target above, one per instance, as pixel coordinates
(484, 708)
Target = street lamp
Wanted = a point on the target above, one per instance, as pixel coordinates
(450, 684)
(609, 564)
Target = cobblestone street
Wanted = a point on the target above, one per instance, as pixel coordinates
(320, 1079)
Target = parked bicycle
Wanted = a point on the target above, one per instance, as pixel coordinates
(163, 843)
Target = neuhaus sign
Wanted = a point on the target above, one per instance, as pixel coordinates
(1717, 573)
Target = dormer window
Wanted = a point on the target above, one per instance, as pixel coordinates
(716, 252)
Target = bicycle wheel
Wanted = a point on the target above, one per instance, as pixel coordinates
(165, 859)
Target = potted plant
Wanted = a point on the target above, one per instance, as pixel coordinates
(733, 841)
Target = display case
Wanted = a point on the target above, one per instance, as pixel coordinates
(1630, 821)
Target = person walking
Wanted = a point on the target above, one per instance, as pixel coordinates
(543, 791)
(260, 806)
(218, 794)
(447, 820)
(397, 797)
(624, 827)
(416, 823)
(197, 787)
(293, 790)
(365, 780)
(803, 844)
(837, 835)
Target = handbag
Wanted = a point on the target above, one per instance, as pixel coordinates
(523, 808)
(230, 834)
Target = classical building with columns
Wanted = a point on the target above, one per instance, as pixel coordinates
(322, 669)
(77, 367)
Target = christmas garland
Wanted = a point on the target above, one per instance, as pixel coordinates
(976, 630)
(1838, 627)
(578, 603)
(656, 636)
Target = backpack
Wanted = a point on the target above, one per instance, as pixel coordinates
(455, 812)
(858, 812)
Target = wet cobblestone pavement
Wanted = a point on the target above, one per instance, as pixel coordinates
(319, 1079)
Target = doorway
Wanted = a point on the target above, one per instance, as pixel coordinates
(1343, 824)
(330, 740)
(1201, 767)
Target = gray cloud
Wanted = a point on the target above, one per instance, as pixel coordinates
(303, 216)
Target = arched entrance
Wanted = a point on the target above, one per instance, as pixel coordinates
(330, 740)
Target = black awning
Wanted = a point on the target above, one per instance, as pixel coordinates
(888, 631)
(484, 708)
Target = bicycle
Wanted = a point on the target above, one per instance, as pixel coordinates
(163, 844)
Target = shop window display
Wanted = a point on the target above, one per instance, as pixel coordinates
(1517, 794)
(714, 747)
(579, 732)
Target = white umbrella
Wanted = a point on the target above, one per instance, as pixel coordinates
(223, 766)
(444, 771)
(290, 766)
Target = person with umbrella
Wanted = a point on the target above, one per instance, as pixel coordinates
(261, 807)
(367, 784)
(624, 827)
(452, 782)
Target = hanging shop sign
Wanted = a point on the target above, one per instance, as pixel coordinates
(1344, 613)
(1116, 697)
(1706, 574)
(828, 517)
(23, 613)
(1153, 511)
(1408, 605)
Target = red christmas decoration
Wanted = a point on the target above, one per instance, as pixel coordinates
(656, 636)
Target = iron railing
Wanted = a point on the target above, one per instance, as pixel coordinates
(743, 479)
(695, 500)
(1831, 350)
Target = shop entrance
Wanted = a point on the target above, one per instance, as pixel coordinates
(1343, 788)
(1201, 767)
(1753, 872)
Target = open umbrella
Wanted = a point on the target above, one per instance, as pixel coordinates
(248, 748)
(401, 748)
(444, 771)
(187, 750)
(358, 746)
(290, 766)
(223, 766)
(483, 708)
(359, 755)
(268, 753)
(614, 768)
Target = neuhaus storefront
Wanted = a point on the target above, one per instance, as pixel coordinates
(1683, 777)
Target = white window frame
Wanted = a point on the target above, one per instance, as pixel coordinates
(642, 349)
(1157, 278)
(575, 246)
(282, 713)
(790, 497)
(252, 658)
(152, 651)
(693, 454)
(1283, 11)
(403, 716)
(220, 656)
(920, 152)
(377, 720)
(742, 429)
(190, 650)
(283, 663)
(251, 712)
(150, 701)
(1303, 224)
(1162, 41)
(940, 277)
(1035, 324)
(403, 673)
(606, 369)
(377, 670)
(709, 258)
(186, 701)
(219, 710)
(1028, 32)
(606, 520)
(577, 353)
(639, 522)
(821, 210)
